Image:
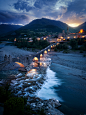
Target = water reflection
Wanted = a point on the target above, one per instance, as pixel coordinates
(31, 72)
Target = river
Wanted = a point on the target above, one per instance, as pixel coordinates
(70, 90)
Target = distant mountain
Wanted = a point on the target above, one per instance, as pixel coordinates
(45, 22)
(42, 25)
(82, 26)
(5, 28)
(48, 25)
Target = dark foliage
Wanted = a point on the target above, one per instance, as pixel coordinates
(5, 28)
(14, 106)
(63, 46)
(73, 44)
(5, 93)
(21, 43)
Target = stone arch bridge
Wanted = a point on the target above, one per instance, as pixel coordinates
(26, 60)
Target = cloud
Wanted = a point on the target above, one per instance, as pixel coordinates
(21, 5)
(24, 11)
(82, 17)
(76, 12)
(33, 4)
(40, 4)
(10, 17)
(43, 8)
(63, 9)
(77, 6)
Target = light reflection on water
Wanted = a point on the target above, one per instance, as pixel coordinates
(47, 90)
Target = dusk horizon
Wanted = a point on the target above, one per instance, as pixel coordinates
(42, 57)
(22, 12)
(38, 19)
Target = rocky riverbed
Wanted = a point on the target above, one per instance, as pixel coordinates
(75, 62)
(22, 86)
(26, 85)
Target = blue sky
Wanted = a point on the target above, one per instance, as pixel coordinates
(72, 12)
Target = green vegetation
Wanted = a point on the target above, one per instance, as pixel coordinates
(73, 44)
(22, 43)
(83, 47)
(76, 44)
(61, 47)
(15, 105)
(29, 111)
(5, 93)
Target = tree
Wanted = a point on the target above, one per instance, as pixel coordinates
(14, 106)
(73, 44)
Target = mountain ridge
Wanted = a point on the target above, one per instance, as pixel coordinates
(81, 26)
(45, 22)
(5, 28)
(41, 25)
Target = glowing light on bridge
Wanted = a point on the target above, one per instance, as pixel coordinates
(35, 59)
(64, 39)
(74, 36)
(48, 50)
(41, 55)
(45, 52)
(68, 37)
(21, 65)
(44, 38)
(51, 46)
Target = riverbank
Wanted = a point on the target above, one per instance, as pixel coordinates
(26, 84)
(66, 82)
(13, 51)
(74, 62)
(71, 64)
(70, 70)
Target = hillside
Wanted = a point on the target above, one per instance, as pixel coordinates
(5, 28)
(45, 22)
(39, 25)
(42, 25)
(82, 26)
(47, 25)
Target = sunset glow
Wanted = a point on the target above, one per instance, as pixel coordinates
(74, 25)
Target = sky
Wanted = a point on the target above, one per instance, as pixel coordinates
(72, 12)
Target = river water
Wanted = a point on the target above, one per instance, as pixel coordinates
(68, 89)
